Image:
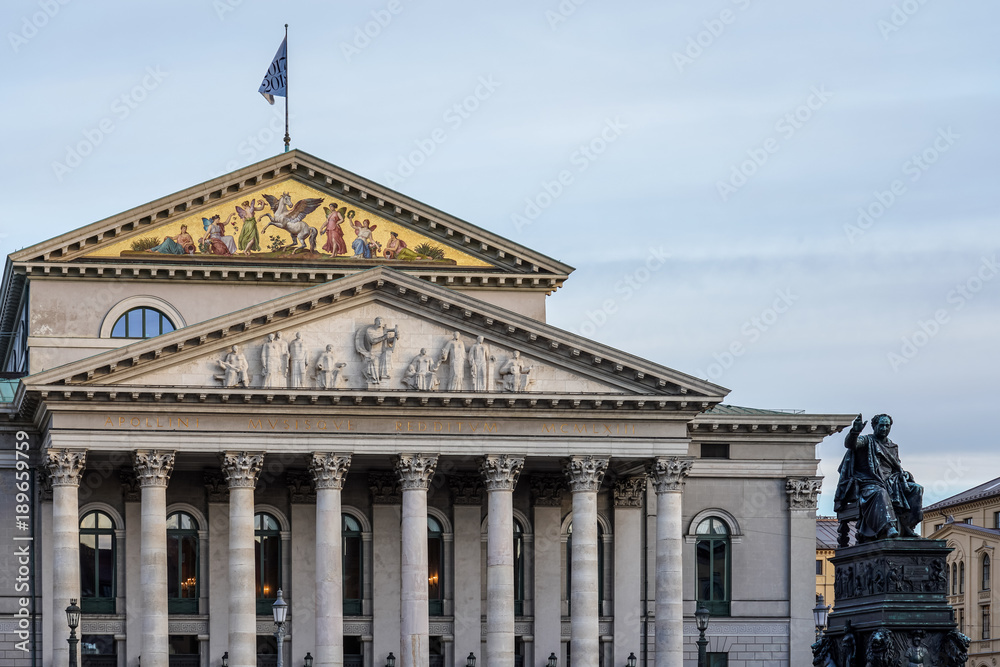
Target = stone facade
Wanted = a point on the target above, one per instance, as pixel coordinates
(552, 508)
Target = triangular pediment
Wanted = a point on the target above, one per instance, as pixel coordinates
(425, 237)
(423, 316)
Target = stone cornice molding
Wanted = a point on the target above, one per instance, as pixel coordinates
(300, 488)
(415, 470)
(547, 489)
(385, 489)
(668, 473)
(129, 483)
(500, 471)
(66, 466)
(153, 466)
(242, 468)
(466, 488)
(803, 492)
(585, 473)
(329, 469)
(215, 486)
(630, 491)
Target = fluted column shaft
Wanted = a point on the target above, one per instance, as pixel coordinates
(584, 476)
(329, 471)
(500, 475)
(152, 470)
(414, 472)
(241, 470)
(65, 470)
(668, 476)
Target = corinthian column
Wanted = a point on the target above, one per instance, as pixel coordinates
(668, 476)
(584, 475)
(65, 469)
(500, 474)
(152, 470)
(241, 470)
(414, 472)
(803, 492)
(329, 471)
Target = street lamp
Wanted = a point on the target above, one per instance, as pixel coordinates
(308, 660)
(553, 661)
(820, 614)
(390, 660)
(631, 660)
(701, 619)
(225, 659)
(471, 660)
(73, 619)
(280, 610)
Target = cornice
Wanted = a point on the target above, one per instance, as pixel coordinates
(809, 427)
(316, 173)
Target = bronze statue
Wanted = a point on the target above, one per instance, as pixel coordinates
(889, 504)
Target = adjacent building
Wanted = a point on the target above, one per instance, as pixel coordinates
(970, 522)
(292, 378)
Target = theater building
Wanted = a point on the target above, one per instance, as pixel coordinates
(293, 378)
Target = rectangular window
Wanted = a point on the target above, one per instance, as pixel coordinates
(967, 520)
(714, 450)
(996, 521)
(986, 622)
(961, 621)
(819, 566)
(718, 659)
(938, 526)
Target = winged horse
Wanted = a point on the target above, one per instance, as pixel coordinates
(291, 219)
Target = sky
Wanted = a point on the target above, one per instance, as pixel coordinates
(794, 200)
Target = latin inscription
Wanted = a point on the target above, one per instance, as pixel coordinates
(586, 428)
(152, 422)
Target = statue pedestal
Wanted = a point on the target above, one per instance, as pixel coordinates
(893, 592)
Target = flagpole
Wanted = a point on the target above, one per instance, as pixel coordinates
(288, 139)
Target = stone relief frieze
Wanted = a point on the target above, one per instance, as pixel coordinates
(375, 344)
(915, 574)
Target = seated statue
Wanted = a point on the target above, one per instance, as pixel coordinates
(889, 503)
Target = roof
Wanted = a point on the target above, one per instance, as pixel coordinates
(724, 409)
(827, 532)
(992, 532)
(988, 489)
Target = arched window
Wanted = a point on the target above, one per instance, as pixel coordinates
(141, 323)
(182, 564)
(435, 567)
(600, 565)
(98, 563)
(961, 578)
(518, 568)
(712, 562)
(353, 565)
(986, 572)
(267, 558)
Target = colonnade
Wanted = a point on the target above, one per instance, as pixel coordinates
(583, 474)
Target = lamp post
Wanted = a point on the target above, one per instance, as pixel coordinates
(820, 614)
(390, 660)
(553, 661)
(471, 660)
(701, 619)
(73, 619)
(225, 659)
(630, 660)
(308, 660)
(280, 610)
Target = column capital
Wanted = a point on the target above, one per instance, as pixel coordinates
(242, 468)
(415, 470)
(44, 478)
(131, 493)
(215, 486)
(668, 473)
(66, 466)
(803, 492)
(300, 488)
(629, 491)
(585, 473)
(466, 488)
(547, 489)
(385, 488)
(153, 466)
(329, 469)
(500, 471)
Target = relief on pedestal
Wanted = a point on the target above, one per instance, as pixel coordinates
(803, 492)
(899, 574)
(152, 466)
(415, 470)
(668, 473)
(329, 469)
(66, 466)
(242, 468)
(547, 489)
(585, 473)
(629, 491)
(500, 471)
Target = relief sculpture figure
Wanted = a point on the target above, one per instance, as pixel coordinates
(453, 354)
(274, 362)
(515, 374)
(890, 503)
(327, 369)
(479, 355)
(421, 375)
(297, 358)
(375, 344)
(234, 367)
